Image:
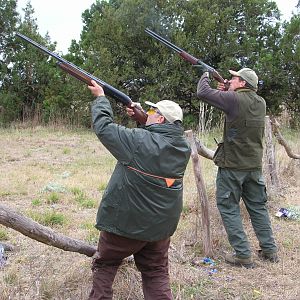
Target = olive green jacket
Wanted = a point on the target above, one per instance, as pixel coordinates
(137, 202)
(242, 147)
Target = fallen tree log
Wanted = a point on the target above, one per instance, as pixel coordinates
(43, 234)
(281, 140)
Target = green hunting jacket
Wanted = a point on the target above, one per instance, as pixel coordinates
(242, 145)
(142, 200)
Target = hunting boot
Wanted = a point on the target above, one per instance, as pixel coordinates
(272, 257)
(238, 261)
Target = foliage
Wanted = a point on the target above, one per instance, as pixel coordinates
(224, 34)
(53, 198)
(114, 47)
(49, 218)
(82, 199)
(8, 20)
(290, 54)
(3, 234)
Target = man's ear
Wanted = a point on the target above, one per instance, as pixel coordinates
(243, 83)
(161, 119)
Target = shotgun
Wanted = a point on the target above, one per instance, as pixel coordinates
(186, 56)
(139, 115)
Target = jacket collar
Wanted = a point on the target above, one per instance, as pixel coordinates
(166, 128)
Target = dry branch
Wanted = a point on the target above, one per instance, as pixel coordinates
(43, 234)
(202, 150)
(281, 140)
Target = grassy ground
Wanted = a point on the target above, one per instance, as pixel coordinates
(57, 177)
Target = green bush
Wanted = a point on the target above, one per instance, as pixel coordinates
(53, 198)
(82, 199)
(36, 202)
(3, 235)
(49, 218)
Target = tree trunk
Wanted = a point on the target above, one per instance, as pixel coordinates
(43, 234)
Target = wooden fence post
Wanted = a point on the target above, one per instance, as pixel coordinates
(271, 168)
(206, 236)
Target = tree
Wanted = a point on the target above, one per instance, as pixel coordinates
(8, 21)
(225, 34)
(290, 61)
(33, 78)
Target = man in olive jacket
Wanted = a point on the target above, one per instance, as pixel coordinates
(239, 158)
(141, 205)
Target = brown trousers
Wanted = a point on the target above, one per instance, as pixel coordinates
(151, 259)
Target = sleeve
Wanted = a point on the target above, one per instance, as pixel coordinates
(224, 100)
(120, 141)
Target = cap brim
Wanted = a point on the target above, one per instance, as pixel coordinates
(150, 104)
(234, 73)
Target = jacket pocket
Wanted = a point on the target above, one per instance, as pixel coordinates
(219, 156)
(223, 199)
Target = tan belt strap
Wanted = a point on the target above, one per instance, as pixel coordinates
(169, 181)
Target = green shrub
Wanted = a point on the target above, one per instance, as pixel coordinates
(53, 198)
(36, 202)
(49, 218)
(82, 199)
(66, 151)
(53, 218)
(3, 235)
(88, 203)
(102, 187)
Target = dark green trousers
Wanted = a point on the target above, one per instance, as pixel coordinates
(233, 185)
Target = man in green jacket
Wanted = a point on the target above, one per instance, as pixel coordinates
(239, 158)
(141, 205)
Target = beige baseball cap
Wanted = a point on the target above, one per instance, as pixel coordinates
(248, 75)
(169, 109)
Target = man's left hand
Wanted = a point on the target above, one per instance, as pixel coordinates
(130, 111)
(96, 89)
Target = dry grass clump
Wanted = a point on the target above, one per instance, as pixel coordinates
(58, 177)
